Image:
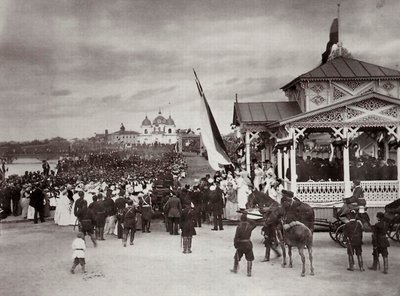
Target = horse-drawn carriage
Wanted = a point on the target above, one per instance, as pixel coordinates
(392, 216)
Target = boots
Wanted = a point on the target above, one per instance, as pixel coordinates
(73, 268)
(235, 266)
(267, 252)
(249, 266)
(101, 233)
(360, 263)
(189, 245)
(185, 245)
(83, 268)
(93, 240)
(385, 265)
(351, 263)
(375, 263)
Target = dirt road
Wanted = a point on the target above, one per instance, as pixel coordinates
(35, 261)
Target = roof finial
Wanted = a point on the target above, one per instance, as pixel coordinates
(159, 110)
(339, 44)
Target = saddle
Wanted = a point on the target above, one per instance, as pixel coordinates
(293, 224)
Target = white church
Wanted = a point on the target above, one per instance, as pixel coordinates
(159, 131)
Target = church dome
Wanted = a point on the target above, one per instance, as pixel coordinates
(159, 119)
(146, 122)
(170, 121)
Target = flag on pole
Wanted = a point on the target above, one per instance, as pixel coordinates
(210, 135)
(333, 39)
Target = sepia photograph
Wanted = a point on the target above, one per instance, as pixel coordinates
(199, 148)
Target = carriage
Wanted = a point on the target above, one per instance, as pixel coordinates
(392, 215)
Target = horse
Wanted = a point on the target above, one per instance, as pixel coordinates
(296, 210)
(294, 233)
(260, 199)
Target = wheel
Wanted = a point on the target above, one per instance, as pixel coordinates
(339, 236)
(394, 232)
(333, 227)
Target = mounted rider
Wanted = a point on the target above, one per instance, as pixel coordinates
(356, 202)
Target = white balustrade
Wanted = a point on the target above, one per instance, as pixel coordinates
(382, 191)
(320, 192)
(328, 192)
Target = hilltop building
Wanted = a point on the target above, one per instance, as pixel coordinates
(159, 131)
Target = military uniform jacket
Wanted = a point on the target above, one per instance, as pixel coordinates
(187, 224)
(379, 238)
(173, 207)
(243, 234)
(87, 219)
(353, 232)
(216, 200)
(129, 217)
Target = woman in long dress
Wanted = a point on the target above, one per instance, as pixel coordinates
(232, 205)
(62, 215)
(243, 191)
(258, 176)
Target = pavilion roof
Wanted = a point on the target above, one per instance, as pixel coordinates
(263, 112)
(337, 105)
(342, 68)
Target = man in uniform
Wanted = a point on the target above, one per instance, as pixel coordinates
(353, 232)
(216, 202)
(120, 203)
(128, 222)
(380, 243)
(243, 244)
(99, 212)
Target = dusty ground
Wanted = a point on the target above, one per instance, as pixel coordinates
(35, 260)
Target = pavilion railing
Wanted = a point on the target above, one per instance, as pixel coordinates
(380, 191)
(320, 192)
(330, 192)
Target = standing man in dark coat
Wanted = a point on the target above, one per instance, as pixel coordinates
(120, 203)
(78, 206)
(216, 202)
(109, 206)
(380, 243)
(196, 199)
(128, 222)
(100, 215)
(147, 211)
(173, 209)
(243, 244)
(353, 233)
(187, 227)
(87, 221)
(37, 202)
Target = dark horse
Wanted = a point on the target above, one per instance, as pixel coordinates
(294, 223)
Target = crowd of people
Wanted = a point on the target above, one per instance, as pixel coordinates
(362, 168)
(118, 193)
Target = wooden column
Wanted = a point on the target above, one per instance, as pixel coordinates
(293, 175)
(248, 160)
(398, 161)
(386, 145)
(346, 165)
(263, 158)
(279, 163)
(285, 165)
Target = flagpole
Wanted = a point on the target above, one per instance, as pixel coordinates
(339, 39)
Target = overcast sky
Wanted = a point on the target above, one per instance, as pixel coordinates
(75, 67)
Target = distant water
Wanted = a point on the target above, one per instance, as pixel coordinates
(20, 165)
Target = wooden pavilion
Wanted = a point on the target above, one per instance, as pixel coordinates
(341, 99)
